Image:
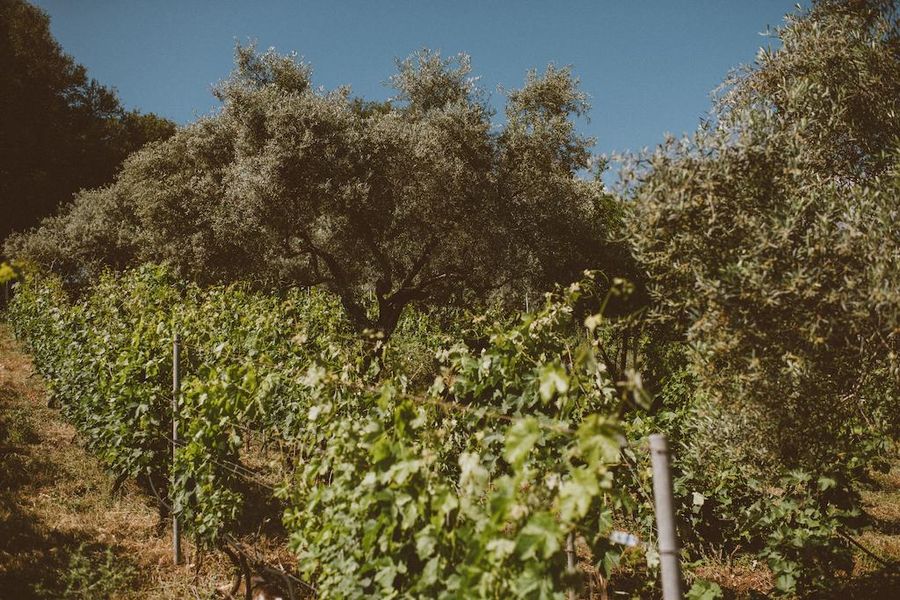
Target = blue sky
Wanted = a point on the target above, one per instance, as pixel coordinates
(648, 65)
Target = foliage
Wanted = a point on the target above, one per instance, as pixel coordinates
(469, 490)
(729, 500)
(801, 548)
(835, 74)
(704, 590)
(385, 204)
(781, 273)
(108, 361)
(9, 271)
(75, 357)
(770, 245)
(95, 229)
(59, 130)
(487, 470)
(447, 469)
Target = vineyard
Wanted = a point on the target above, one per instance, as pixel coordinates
(365, 349)
(444, 489)
(389, 481)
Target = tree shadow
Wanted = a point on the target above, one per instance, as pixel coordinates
(882, 584)
(37, 561)
(261, 513)
(41, 565)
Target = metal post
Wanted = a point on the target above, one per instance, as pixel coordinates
(670, 568)
(176, 389)
(570, 565)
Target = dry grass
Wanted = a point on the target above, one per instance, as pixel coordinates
(740, 579)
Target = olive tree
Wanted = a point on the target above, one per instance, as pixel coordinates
(835, 75)
(770, 237)
(419, 199)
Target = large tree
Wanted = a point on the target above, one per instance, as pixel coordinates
(421, 199)
(770, 238)
(60, 131)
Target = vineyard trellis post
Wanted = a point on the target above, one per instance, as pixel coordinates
(669, 550)
(176, 389)
(570, 566)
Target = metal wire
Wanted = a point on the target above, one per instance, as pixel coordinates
(891, 566)
(232, 467)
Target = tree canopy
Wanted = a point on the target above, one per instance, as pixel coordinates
(60, 131)
(835, 78)
(415, 200)
(770, 237)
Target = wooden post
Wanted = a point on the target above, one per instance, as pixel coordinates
(669, 551)
(570, 565)
(176, 390)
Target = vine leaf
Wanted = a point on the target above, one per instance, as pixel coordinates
(539, 538)
(553, 380)
(520, 439)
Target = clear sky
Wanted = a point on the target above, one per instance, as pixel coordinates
(648, 65)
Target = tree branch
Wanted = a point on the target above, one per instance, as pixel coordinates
(419, 263)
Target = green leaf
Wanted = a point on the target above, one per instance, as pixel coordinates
(385, 576)
(430, 572)
(553, 379)
(520, 439)
(500, 548)
(539, 538)
(425, 542)
(598, 441)
(826, 483)
(576, 493)
(697, 499)
(704, 590)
